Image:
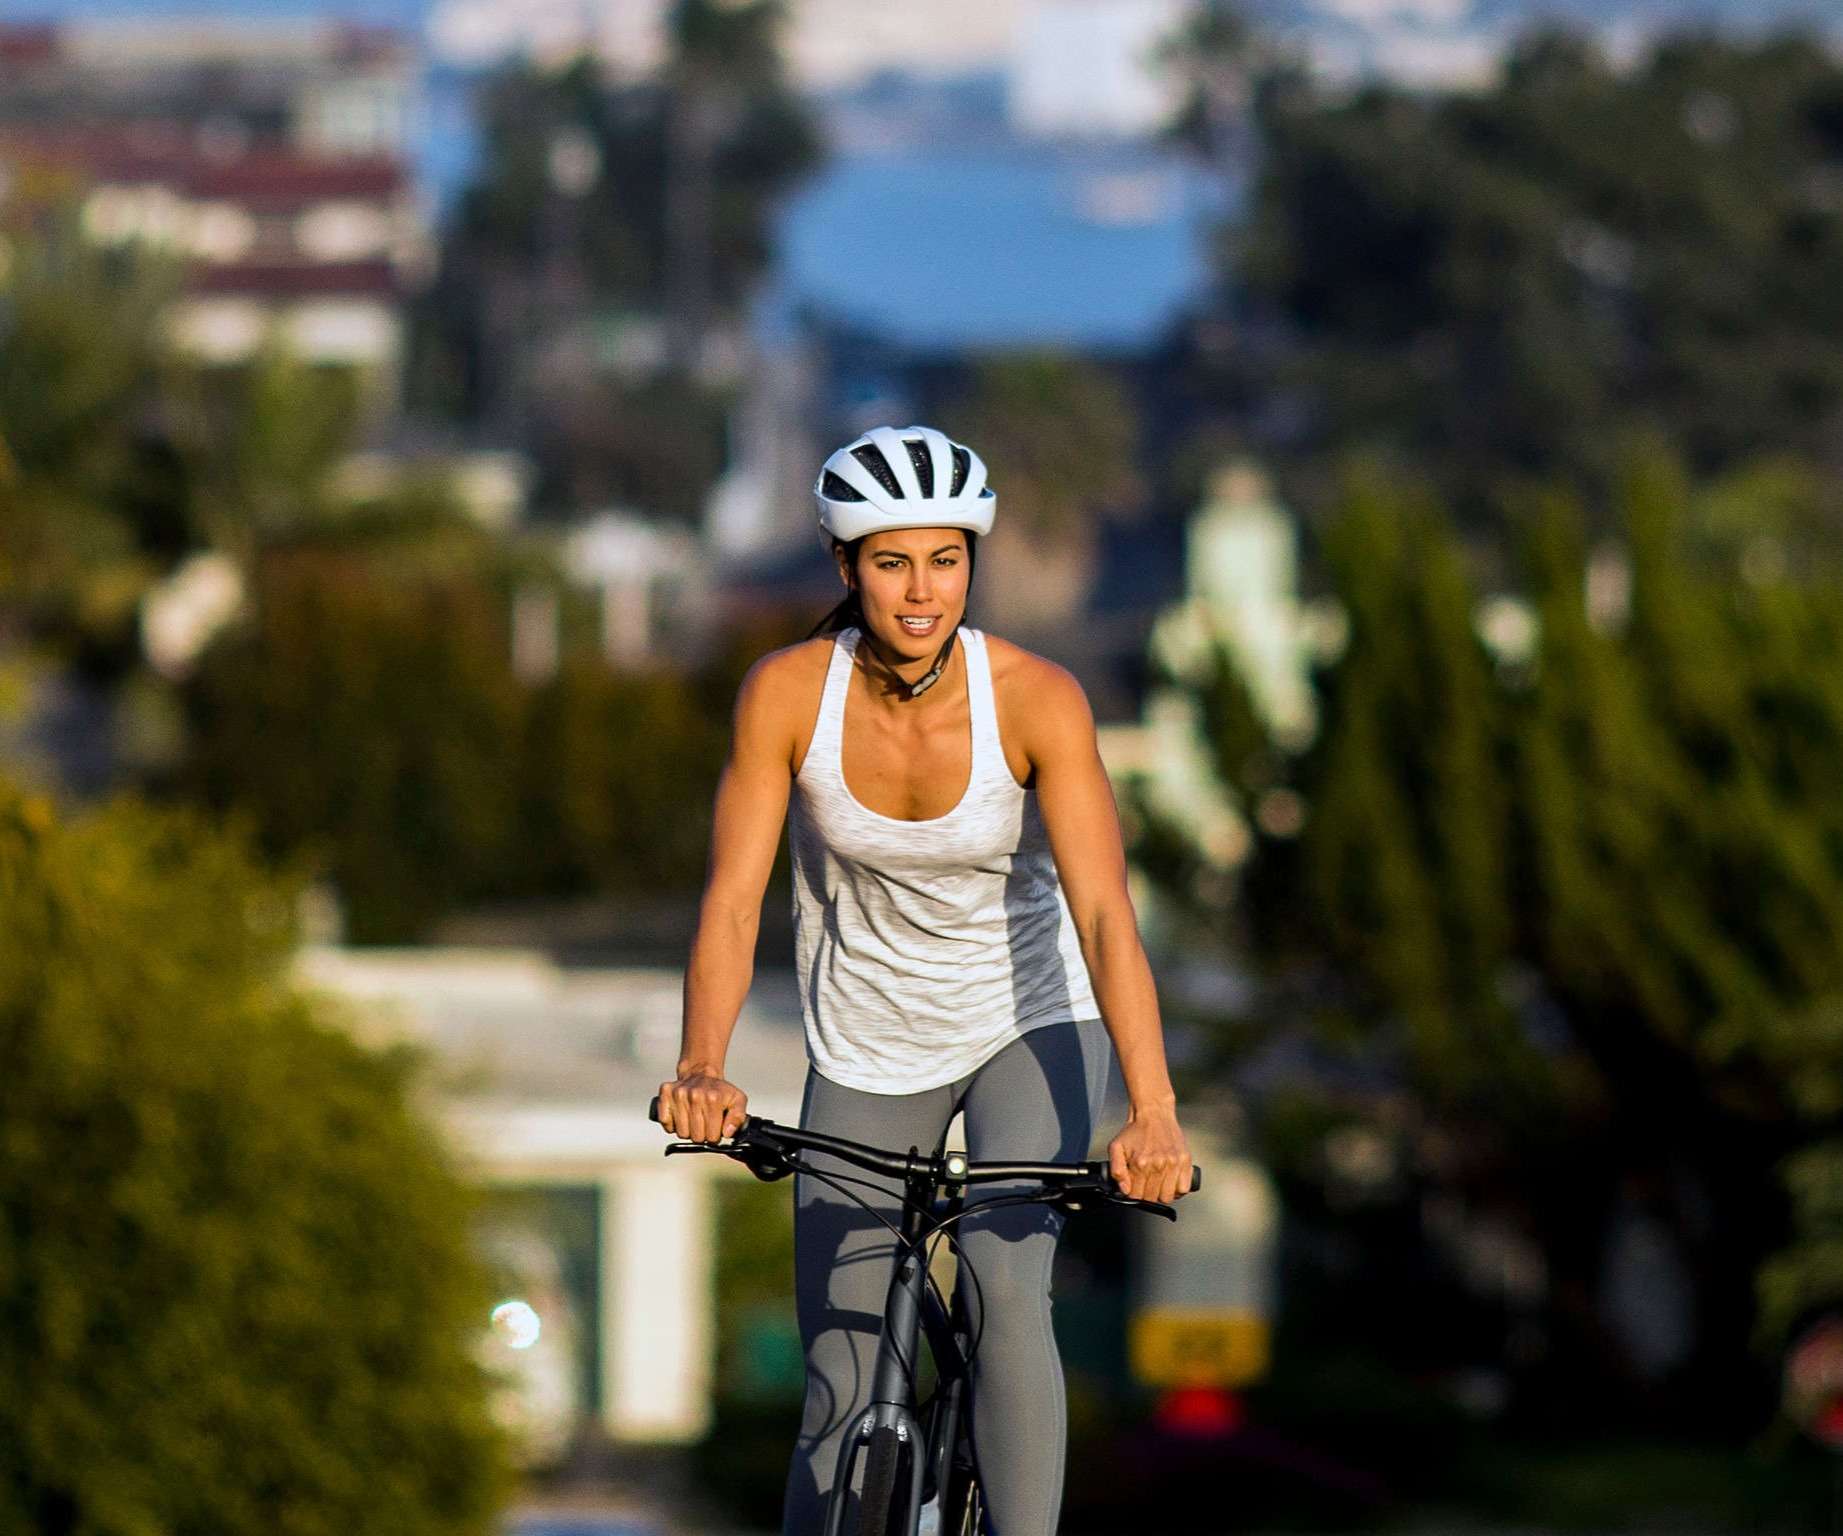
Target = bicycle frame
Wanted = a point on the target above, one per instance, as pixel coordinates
(910, 1309)
(891, 1396)
(910, 1305)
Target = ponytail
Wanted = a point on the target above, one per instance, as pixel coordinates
(849, 613)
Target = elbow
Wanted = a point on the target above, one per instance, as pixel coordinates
(728, 916)
(1107, 924)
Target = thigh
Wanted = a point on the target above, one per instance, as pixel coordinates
(1038, 1100)
(1041, 1097)
(843, 1253)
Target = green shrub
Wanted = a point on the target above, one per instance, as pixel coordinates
(238, 1292)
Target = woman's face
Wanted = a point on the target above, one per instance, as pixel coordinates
(912, 584)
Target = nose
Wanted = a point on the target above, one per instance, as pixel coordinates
(920, 583)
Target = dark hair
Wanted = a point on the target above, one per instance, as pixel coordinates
(849, 613)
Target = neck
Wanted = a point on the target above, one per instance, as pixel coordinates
(903, 682)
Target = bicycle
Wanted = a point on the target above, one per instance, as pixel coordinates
(940, 1495)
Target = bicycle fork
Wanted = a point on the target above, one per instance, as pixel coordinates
(891, 1414)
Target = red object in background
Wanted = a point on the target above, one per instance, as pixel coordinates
(1814, 1381)
(1203, 1413)
(1828, 1423)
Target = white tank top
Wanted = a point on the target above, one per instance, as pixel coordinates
(925, 947)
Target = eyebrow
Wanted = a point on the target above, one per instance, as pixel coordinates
(901, 555)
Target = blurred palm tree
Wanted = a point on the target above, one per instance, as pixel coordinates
(1059, 436)
(79, 339)
(262, 443)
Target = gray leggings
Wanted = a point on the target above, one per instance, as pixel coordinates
(1039, 1099)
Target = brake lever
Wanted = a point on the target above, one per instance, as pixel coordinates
(1075, 1198)
(766, 1161)
(1150, 1207)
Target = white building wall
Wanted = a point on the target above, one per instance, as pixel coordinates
(658, 1317)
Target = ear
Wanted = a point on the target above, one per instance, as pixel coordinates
(842, 554)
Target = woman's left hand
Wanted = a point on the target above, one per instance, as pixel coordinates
(1149, 1158)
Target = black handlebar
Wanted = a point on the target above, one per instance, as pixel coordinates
(904, 1165)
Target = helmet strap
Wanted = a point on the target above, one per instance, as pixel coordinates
(933, 675)
(929, 678)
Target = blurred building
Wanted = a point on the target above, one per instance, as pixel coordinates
(544, 1075)
(270, 158)
(1240, 600)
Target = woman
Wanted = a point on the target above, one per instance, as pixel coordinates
(962, 929)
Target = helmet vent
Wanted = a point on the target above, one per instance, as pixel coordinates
(839, 490)
(962, 467)
(872, 459)
(923, 462)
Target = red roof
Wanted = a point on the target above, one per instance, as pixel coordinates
(28, 43)
(269, 280)
(274, 176)
(166, 154)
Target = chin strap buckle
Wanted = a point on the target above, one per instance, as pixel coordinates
(933, 675)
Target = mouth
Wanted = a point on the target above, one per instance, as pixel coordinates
(921, 626)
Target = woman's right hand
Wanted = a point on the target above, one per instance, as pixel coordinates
(702, 1106)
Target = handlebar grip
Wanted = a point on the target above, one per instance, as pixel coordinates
(652, 1110)
(1196, 1178)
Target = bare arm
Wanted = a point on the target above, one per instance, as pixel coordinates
(1150, 1158)
(751, 808)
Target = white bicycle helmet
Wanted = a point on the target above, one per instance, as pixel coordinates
(912, 477)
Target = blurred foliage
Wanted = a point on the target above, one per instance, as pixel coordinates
(240, 1292)
(1503, 285)
(615, 227)
(366, 716)
(118, 457)
(616, 775)
(1566, 920)
(1218, 60)
(744, 1459)
(261, 442)
(1064, 431)
(79, 539)
(657, 445)
(724, 57)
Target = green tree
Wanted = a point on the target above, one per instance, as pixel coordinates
(81, 525)
(1401, 857)
(1687, 869)
(1504, 285)
(611, 221)
(1064, 429)
(262, 441)
(1582, 908)
(367, 715)
(240, 1293)
(617, 774)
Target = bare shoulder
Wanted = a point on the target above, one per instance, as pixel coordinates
(1024, 675)
(778, 698)
(791, 669)
(1041, 705)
